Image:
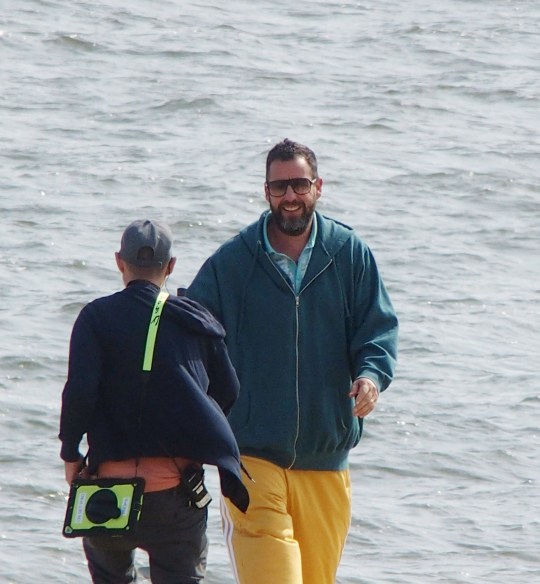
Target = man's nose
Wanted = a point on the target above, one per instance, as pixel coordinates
(289, 193)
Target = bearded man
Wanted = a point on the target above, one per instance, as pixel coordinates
(312, 334)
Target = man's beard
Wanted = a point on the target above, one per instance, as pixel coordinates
(295, 225)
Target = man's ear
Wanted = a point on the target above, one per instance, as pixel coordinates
(120, 262)
(170, 266)
(318, 186)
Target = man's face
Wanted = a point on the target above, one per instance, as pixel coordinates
(292, 212)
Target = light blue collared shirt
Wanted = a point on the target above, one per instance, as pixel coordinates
(294, 271)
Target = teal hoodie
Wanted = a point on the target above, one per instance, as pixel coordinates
(297, 354)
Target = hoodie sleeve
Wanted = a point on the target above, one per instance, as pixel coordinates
(374, 330)
(205, 289)
(81, 389)
(223, 382)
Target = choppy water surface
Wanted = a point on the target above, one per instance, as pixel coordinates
(425, 119)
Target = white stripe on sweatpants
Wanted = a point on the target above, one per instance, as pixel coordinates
(228, 529)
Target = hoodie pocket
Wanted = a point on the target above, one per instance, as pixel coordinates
(240, 413)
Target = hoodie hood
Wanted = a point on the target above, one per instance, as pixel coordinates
(332, 235)
(189, 313)
(193, 317)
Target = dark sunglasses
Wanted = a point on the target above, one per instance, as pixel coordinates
(301, 186)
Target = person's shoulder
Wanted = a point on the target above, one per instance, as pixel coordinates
(333, 229)
(187, 303)
(329, 223)
(334, 232)
(193, 315)
(245, 239)
(106, 299)
(92, 312)
(100, 303)
(341, 239)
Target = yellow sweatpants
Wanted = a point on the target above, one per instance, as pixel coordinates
(295, 528)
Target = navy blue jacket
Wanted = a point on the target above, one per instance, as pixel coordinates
(178, 409)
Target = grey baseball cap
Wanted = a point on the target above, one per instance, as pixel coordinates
(146, 243)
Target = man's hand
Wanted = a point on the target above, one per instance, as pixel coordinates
(72, 469)
(365, 396)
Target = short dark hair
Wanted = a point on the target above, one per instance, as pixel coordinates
(289, 150)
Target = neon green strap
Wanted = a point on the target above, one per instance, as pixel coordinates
(152, 331)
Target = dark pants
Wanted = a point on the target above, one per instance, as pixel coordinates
(172, 533)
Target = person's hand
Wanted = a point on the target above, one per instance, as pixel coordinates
(365, 396)
(72, 469)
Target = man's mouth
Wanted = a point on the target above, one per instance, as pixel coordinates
(291, 208)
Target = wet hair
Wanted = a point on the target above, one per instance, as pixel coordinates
(289, 150)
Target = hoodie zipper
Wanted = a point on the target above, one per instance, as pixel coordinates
(297, 343)
(297, 388)
(297, 352)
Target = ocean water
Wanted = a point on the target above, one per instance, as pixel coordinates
(425, 119)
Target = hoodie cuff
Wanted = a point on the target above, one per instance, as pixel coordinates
(69, 453)
(371, 378)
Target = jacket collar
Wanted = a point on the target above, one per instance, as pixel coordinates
(331, 237)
